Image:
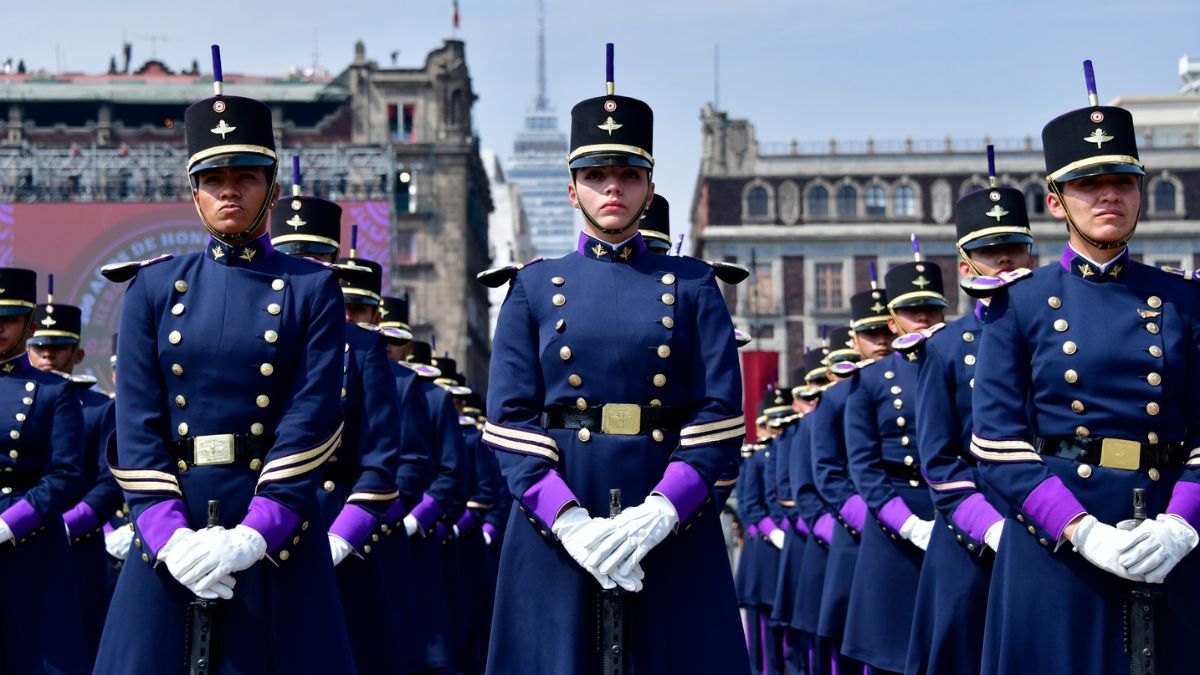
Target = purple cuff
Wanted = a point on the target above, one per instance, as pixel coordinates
(396, 511)
(1185, 502)
(683, 487)
(766, 526)
(441, 531)
(1052, 506)
(466, 522)
(108, 528)
(159, 522)
(975, 515)
(823, 528)
(854, 512)
(272, 520)
(786, 525)
(801, 526)
(81, 518)
(427, 512)
(547, 497)
(491, 531)
(894, 513)
(21, 519)
(354, 524)
(752, 531)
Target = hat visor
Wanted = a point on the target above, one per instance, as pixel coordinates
(610, 159)
(657, 245)
(1100, 170)
(868, 326)
(997, 239)
(918, 302)
(14, 310)
(302, 247)
(50, 340)
(231, 159)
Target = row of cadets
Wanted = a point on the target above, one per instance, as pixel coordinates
(231, 363)
(54, 346)
(1087, 389)
(359, 479)
(871, 340)
(880, 428)
(783, 511)
(994, 239)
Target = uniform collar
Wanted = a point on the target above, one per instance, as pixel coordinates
(1080, 266)
(256, 249)
(627, 251)
(15, 365)
(981, 310)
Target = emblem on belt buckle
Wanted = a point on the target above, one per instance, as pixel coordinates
(623, 419)
(214, 449)
(1116, 453)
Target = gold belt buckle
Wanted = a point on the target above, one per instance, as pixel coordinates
(622, 419)
(1116, 453)
(213, 449)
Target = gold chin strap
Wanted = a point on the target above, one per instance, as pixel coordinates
(636, 217)
(250, 232)
(1075, 228)
(899, 322)
(962, 253)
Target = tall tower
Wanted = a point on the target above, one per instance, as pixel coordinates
(538, 166)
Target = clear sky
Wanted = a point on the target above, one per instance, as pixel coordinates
(796, 68)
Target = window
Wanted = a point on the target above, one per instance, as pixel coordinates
(1035, 198)
(829, 285)
(818, 202)
(904, 201)
(1164, 197)
(760, 296)
(756, 202)
(847, 201)
(876, 201)
(400, 122)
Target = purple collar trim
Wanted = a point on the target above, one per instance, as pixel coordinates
(591, 247)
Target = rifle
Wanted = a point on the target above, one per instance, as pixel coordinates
(1141, 612)
(202, 620)
(612, 613)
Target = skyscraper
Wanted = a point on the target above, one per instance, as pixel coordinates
(538, 166)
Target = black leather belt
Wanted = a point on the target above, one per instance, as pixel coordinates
(625, 419)
(221, 449)
(902, 471)
(1114, 453)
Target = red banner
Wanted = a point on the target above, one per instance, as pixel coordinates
(759, 370)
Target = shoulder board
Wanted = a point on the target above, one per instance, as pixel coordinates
(909, 342)
(845, 368)
(741, 338)
(370, 327)
(986, 287)
(729, 272)
(1191, 275)
(351, 274)
(498, 276)
(124, 271)
(83, 381)
(864, 363)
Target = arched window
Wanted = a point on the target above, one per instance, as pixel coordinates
(876, 199)
(756, 202)
(1164, 197)
(847, 201)
(904, 201)
(1035, 198)
(818, 202)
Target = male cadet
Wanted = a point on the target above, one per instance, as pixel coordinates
(1087, 390)
(782, 507)
(54, 347)
(884, 464)
(655, 225)
(947, 634)
(445, 493)
(41, 478)
(872, 341)
(118, 531)
(360, 478)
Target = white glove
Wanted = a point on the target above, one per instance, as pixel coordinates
(1102, 545)
(339, 548)
(631, 582)
(410, 524)
(117, 542)
(1171, 538)
(234, 550)
(188, 555)
(487, 538)
(992, 536)
(5, 532)
(454, 529)
(917, 531)
(635, 533)
(579, 534)
(777, 537)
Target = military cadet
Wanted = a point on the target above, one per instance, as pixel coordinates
(885, 466)
(231, 363)
(118, 530)
(783, 510)
(1103, 351)
(54, 347)
(359, 482)
(613, 369)
(42, 478)
(947, 633)
(872, 340)
(655, 225)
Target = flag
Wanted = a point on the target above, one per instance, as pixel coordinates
(455, 14)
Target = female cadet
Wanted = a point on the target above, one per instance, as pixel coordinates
(614, 369)
(231, 363)
(1103, 350)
